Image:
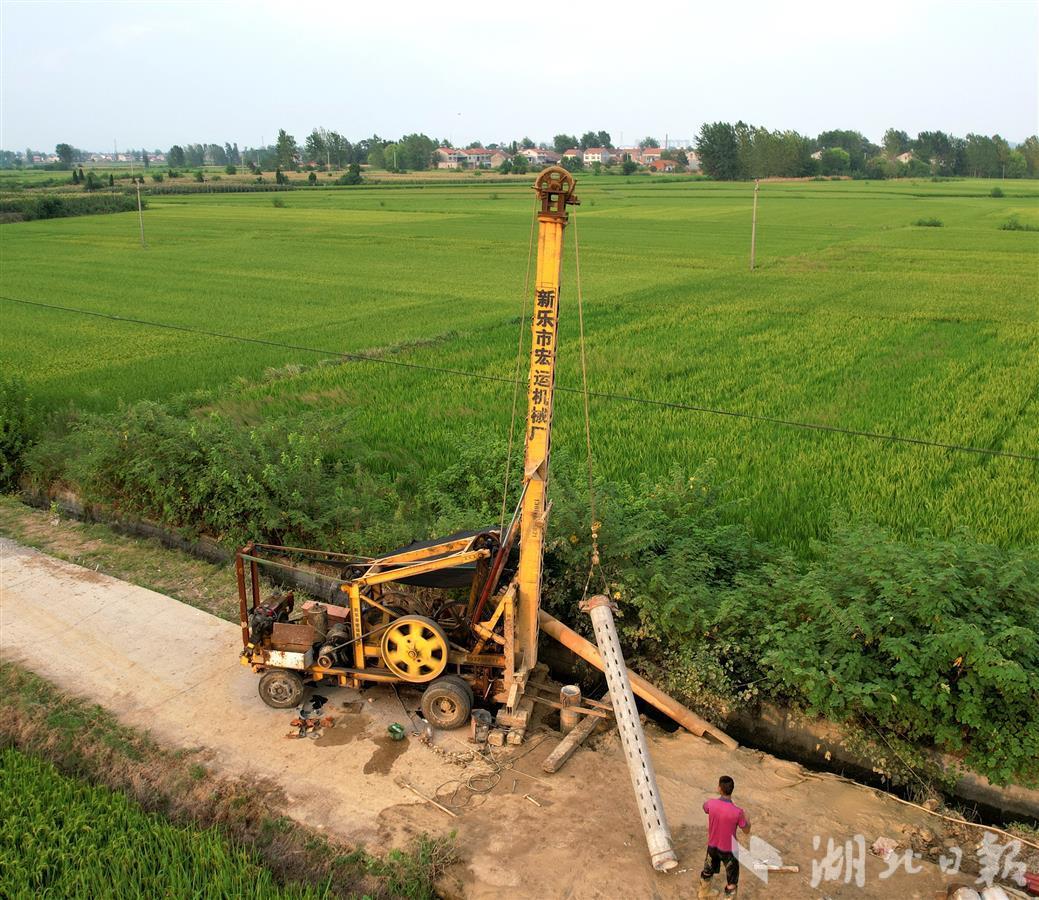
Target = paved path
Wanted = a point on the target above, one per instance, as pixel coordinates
(172, 669)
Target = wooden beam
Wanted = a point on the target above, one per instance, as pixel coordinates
(566, 747)
(652, 695)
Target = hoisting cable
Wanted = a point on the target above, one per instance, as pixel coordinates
(516, 371)
(595, 524)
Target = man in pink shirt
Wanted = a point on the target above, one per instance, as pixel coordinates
(723, 817)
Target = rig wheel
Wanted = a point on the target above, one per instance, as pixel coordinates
(281, 688)
(414, 649)
(447, 703)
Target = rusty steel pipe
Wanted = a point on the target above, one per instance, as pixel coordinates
(652, 695)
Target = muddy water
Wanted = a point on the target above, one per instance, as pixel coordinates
(385, 755)
(345, 730)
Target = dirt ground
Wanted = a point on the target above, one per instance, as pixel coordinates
(173, 669)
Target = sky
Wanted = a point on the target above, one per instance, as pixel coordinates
(151, 74)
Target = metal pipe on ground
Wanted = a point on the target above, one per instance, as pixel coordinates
(633, 739)
(652, 695)
(569, 697)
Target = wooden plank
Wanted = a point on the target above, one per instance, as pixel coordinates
(583, 710)
(566, 747)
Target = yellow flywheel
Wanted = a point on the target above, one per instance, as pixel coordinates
(414, 648)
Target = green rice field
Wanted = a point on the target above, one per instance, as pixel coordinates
(62, 837)
(855, 317)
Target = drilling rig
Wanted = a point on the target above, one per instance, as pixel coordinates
(471, 634)
(482, 645)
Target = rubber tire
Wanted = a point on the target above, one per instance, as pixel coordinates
(281, 688)
(447, 692)
(459, 680)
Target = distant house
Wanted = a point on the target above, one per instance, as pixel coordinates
(632, 153)
(649, 155)
(572, 153)
(694, 160)
(666, 165)
(498, 157)
(539, 157)
(478, 157)
(450, 158)
(594, 155)
(905, 158)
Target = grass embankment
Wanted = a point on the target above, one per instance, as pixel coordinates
(91, 808)
(141, 561)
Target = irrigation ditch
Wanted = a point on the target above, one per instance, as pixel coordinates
(816, 743)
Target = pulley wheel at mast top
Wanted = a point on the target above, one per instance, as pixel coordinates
(415, 649)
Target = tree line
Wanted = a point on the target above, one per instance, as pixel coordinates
(726, 151)
(732, 152)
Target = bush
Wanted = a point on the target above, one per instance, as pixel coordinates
(996, 192)
(312, 178)
(351, 176)
(295, 481)
(56, 206)
(230, 169)
(928, 223)
(92, 182)
(931, 641)
(199, 176)
(18, 428)
(157, 177)
(1015, 224)
(278, 202)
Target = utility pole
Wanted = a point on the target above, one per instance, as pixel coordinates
(754, 226)
(140, 210)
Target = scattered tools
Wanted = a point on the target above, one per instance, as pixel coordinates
(308, 721)
(309, 726)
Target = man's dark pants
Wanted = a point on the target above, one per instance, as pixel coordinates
(713, 863)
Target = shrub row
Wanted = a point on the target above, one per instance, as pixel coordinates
(926, 640)
(56, 206)
(208, 187)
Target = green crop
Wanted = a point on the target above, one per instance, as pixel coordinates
(853, 318)
(61, 837)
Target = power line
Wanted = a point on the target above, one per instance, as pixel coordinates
(501, 379)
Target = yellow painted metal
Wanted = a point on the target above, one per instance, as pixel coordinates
(425, 552)
(415, 649)
(555, 190)
(421, 568)
(355, 621)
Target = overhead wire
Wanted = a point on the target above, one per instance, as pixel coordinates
(501, 379)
